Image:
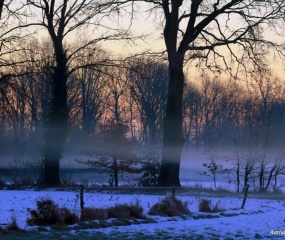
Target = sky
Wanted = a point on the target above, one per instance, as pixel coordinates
(146, 30)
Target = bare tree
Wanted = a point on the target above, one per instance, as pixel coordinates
(114, 153)
(87, 91)
(147, 82)
(199, 30)
(60, 19)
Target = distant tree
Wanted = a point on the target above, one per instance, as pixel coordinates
(86, 88)
(150, 167)
(147, 83)
(192, 114)
(115, 154)
(213, 169)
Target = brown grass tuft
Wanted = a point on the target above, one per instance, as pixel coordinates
(169, 206)
(125, 211)
(68, 217)
(88, 214)
(13, 226)
(205, 206)
(48, 213)
(118, 211)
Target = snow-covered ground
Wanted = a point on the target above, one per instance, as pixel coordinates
(260, 219)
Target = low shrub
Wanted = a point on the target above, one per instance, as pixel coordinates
(48, 213)
(206, 206)
(125, 211)
(13, 226)
(136, 211)
(217, 208)
(88, 214)
(67, 216)
(118, 211)
(169, 206)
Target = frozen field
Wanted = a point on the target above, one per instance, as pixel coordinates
(260, 219)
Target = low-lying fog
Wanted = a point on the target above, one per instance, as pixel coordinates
(192, 170)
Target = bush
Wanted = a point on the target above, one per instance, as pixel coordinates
(125, 211)
(67, 216)
(150, 170)
(169, 206)
(13, 226)
(88, 214)
(205, 206)
(118, 211)
(48, 213)
(136, 211)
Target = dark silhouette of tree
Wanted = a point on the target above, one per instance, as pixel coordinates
(197, 30)
(60, 19)
(114, 153)
(192, 114)
(147, 81)
(87, 93)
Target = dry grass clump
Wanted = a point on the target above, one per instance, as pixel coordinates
(126, 211)
(206, 206)
(169, 206)
(88, 214)
(118, 211)
(48, 213)
(11, 227)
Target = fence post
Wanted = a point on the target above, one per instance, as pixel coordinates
(245, 195)
(81, 198)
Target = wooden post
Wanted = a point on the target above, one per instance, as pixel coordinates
(245, 195)
(81, 198)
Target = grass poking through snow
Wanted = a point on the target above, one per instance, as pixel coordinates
(169, 206)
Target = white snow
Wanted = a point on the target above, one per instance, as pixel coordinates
(259, 219)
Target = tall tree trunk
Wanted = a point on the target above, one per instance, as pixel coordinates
(56, 129)
(172, 127)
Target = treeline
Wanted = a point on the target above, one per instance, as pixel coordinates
(219, 113)
(246, 121)
(132, 94)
